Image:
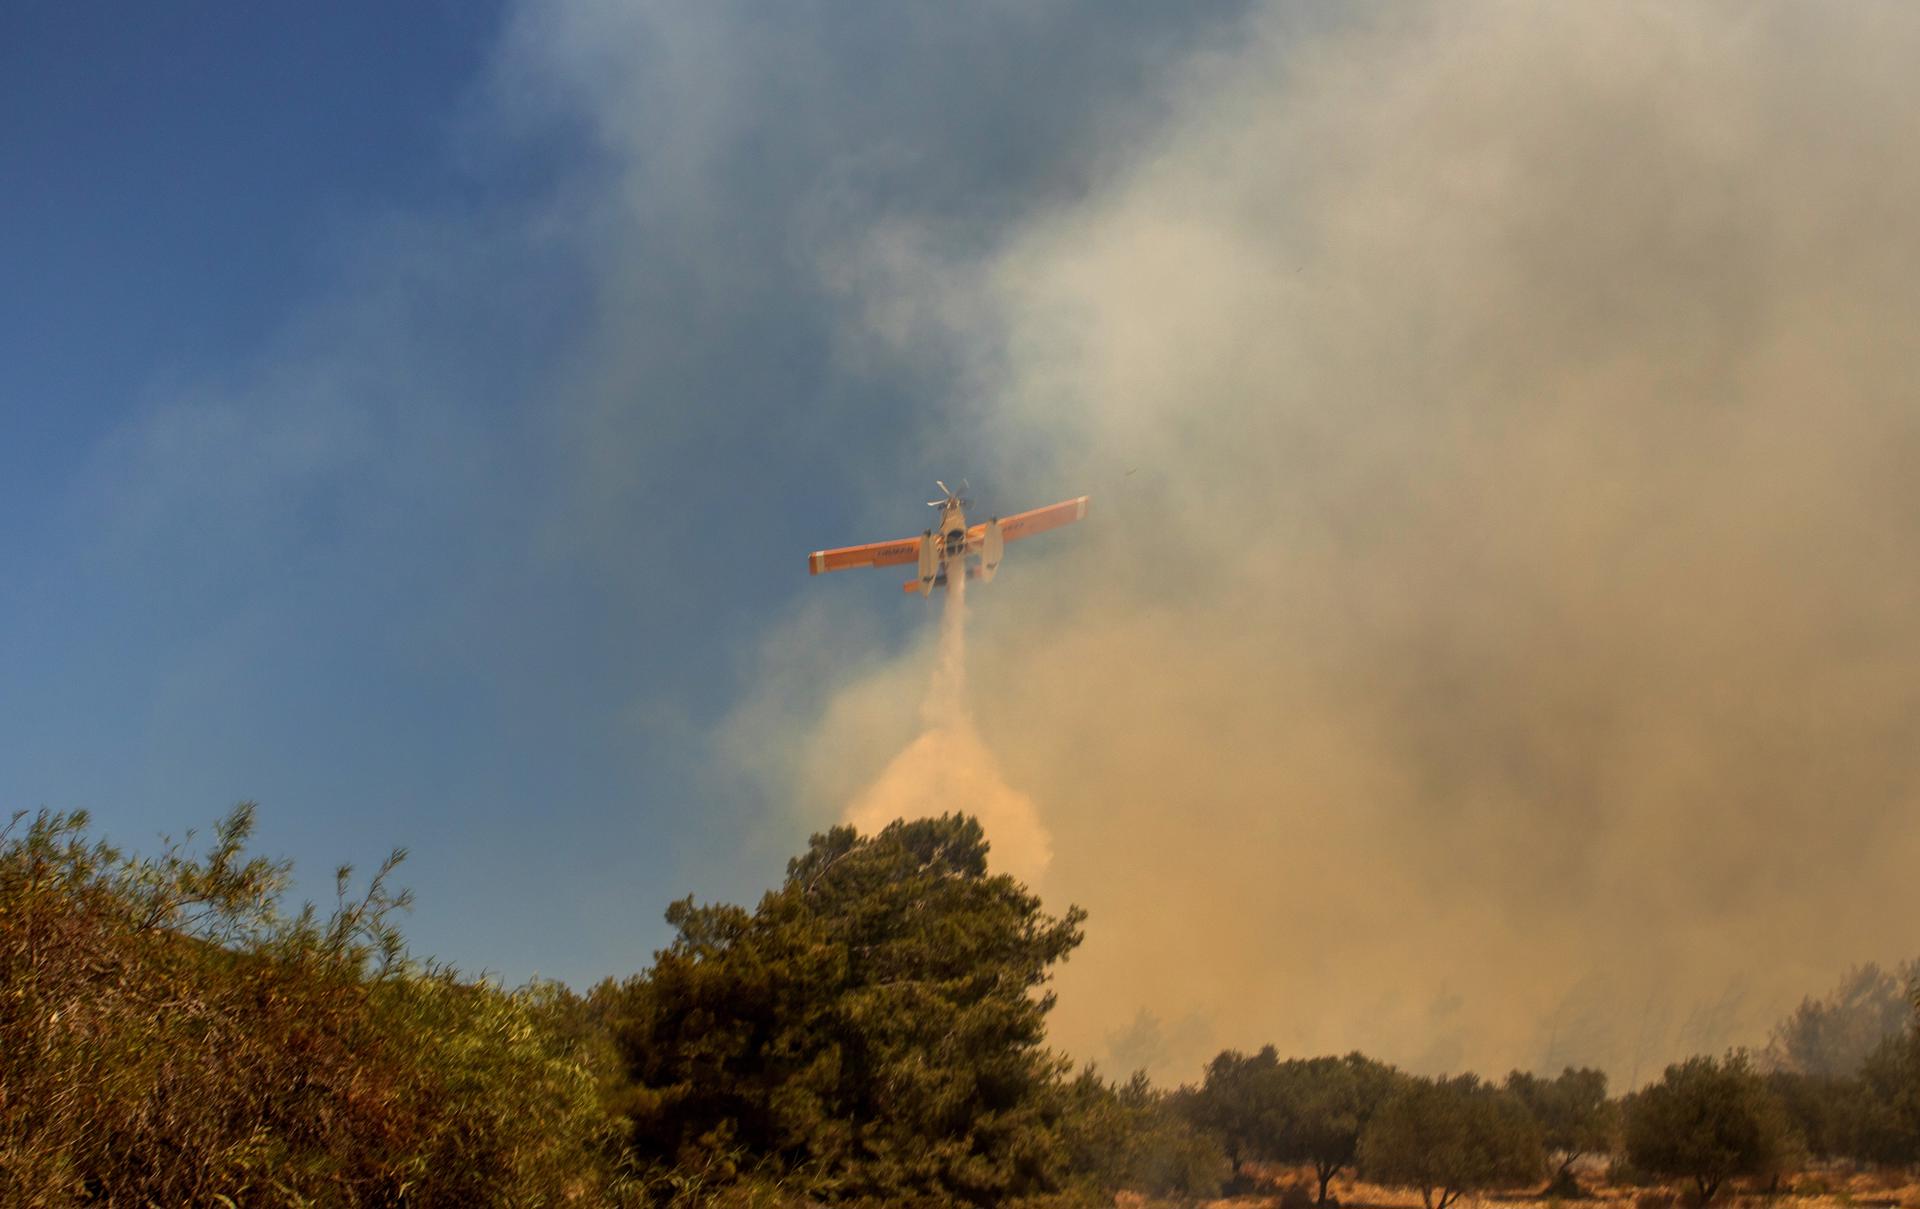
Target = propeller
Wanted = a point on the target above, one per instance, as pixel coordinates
(948, 494)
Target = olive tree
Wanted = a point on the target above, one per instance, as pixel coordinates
(1325, 1105)
(1450, 1137)
(1575, 1116)
(1301, 1110)
(1709, 1121)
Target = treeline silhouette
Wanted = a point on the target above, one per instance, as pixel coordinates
(871, 1032)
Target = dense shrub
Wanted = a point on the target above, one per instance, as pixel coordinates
(173, 1039)
(1134, 1138)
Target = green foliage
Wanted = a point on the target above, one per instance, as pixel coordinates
(874, 1028)
(872, 1033)
(1826, 1113)
(1303, 1110)
(1450, 1137)
(1708, 1122)
(174, 1039)
(1326, 1104)
(1574, 1114)
(1886, 1127)
(1134, 1138)
(1238, 1104)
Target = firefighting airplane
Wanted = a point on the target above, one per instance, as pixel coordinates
(951, 544)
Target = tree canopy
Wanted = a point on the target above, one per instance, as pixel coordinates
(1886, 1121)
(1833, 1035)
(1301, 1110)
(874, 1028)
(1450, 1137)
(1709, 1121)
(1575, 1116)
(871, 1032)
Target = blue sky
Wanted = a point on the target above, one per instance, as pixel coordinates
(415, 416)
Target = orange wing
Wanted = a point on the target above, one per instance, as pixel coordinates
(873, 554)
(1032, 521)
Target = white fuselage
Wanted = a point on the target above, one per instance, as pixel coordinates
(943, 555)
(953, 536)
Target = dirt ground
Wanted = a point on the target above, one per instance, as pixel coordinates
(1829, 1187)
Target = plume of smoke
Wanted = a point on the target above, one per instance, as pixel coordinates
(1494, 642)
(947, 768)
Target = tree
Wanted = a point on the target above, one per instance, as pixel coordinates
(1131, 1137)
(1834, 1035)
(1238, 1102)
(1574, 1115)
(1824, 1111)
(874, 1028)
(1302, 1110)
(1708, 1122)
(1449, 1137)
(1325, 1105)
(1886, 1127)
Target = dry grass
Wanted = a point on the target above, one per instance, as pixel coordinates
(1840, 1188)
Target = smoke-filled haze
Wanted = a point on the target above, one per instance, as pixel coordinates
(1493, 641)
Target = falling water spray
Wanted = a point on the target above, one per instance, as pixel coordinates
(946, 703)
(948, 769)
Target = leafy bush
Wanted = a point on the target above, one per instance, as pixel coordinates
(1623, 1172)
(1134, 1138)
(175, 1039)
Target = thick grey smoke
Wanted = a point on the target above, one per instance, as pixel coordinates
(1494, 640)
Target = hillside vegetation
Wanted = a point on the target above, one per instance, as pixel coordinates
(872, 1032)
